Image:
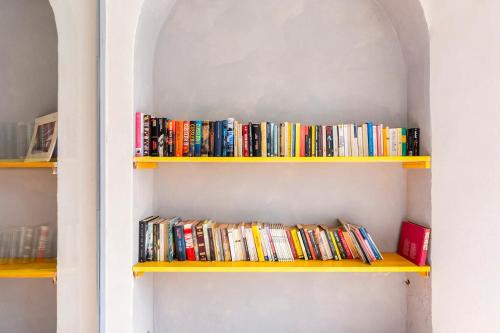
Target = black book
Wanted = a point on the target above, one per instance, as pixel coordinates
(329, 141)
(224, 138)
(218, 139)
(143, 225)
(192, 133)
(211, 139)
(309, 141)
(413, 142)
(250, 140)
(256, 140)
(319, 140)
(268, 139)
(147, 135)
(210, 230)
(314, 244)
(155, 134)
(306, 246)
(180, 243)
(339, 245)
(156, 241)
(162, 147)
(170, 137)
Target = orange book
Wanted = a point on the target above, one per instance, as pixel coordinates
(178, 138)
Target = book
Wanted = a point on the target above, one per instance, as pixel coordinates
(139, 134)
(205, 138)
(198, 138)
(414, 242)
(413, 144)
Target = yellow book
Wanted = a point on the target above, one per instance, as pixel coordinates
(386, 140)
(313, 140)
(263, 139)
(258, 242)
(297, 139)
(296, 243)
(335, 245)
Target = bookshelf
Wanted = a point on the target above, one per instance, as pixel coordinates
(21, 164)
(411, 162)
(392, 263)
(19, 269)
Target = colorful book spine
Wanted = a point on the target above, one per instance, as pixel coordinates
(139, 134)
(198, 138)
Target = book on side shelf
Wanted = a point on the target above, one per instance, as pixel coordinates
(168, 239)
(414, 242)
(161, 136)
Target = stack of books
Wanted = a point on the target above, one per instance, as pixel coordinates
(168, 239)
(157, 136)
(28, 243)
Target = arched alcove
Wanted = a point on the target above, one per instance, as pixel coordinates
(314, 62)
(28, 89)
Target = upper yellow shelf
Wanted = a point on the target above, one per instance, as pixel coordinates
(417, 162)
(21, 164)
(392, 263)
(20, 269)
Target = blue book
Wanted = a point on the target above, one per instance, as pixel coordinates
(230, 137)
(180, 242)
(218, 139)
(224, 138)
(365, 235)
(197, 138)
(370, 139)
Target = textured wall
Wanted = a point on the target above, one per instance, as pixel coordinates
(28, 89)
(323, 62)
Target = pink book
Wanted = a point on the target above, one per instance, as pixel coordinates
(413, 242)
(139, 134)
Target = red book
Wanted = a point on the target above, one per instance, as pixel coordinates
(185, 137)
(290, 241)
(413, 242)
(188, 238)
(244, 130)
(309, 244)
(178, 138)
(303, 140)
(344, 244)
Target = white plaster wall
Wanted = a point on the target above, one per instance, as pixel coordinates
(28, 89)
(77, 310)
(323, 62)
(465, 48)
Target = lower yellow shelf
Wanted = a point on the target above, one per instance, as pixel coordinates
(20, 269)
(392, 263)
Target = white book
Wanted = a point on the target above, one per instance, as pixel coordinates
(287, 242)
(354, 140)
(265, 242)
(284, 253)
(251, 243)
(276, 242)
(374, 138)
(221, 246)
(326, 246)
(341, 140)
(335, 131)
(393, 142)
(361, 152)
(269, 239)
(232, 248)
(347, 140)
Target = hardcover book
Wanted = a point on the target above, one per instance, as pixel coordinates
(414, 242)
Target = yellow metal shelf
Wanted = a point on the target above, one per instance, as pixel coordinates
(416, 162)
(20, 269)
(21, 164)
(392, 263)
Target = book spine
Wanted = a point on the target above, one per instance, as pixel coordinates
(188, 240)
(180, 246)
(162, 123)
(154, 137)
(340, 246)
(139, 134)
(142, 241)
(197, 138)
(210, 230)
(205, 138)
(306, 244)
(344, 244)
(185, 138)
(298, 147)
(192, 134)
(211, 138)
(311, 251)
(315, 245)
(291, 244)
(178, 135)
(146, 135)
(256, 140)
(230, 137)
(224, 138)
(218, 138)
(341, 140)
(331, 245)
(200, 240)
(258, 242)
(370, 139)
(296, 243)
(246, 148)
(149, 242)
(156, 234)
(403, 142)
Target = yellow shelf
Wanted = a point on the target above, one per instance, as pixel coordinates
(21, 164)
(19, 269)
(392, 263)
(416, 162)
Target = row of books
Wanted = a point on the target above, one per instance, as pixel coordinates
(157, 136)
(168, 239)
(28, 242)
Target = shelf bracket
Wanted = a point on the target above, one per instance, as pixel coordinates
(54, 279)
(417, 165)
(138, 274)
(145, 165)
